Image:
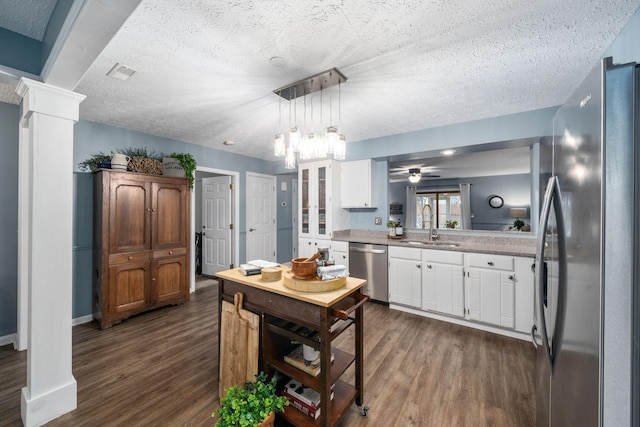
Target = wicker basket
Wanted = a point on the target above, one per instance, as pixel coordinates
(145, 165)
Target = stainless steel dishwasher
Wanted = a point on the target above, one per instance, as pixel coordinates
(369, 262)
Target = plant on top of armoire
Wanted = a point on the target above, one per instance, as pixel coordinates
(253, 405)
(188, 163)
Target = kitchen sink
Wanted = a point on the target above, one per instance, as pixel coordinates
(433, 244)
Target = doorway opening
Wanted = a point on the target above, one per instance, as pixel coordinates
(226, 242)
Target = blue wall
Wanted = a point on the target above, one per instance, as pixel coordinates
(8, 218)
(20, 52)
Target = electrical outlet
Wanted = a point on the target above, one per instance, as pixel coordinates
(378, 220)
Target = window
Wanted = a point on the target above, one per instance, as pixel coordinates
(445, 206)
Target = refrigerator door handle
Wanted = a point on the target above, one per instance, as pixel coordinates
(541, 272)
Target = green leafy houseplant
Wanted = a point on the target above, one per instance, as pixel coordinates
(188, 163)
(518, 223)
(451, 224)
(248, 406)
(93, 163)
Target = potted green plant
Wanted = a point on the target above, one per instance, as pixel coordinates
(96, 162)
(253, 405)
(185, 162)
(518, 224)
(391, 226)
(451, 224)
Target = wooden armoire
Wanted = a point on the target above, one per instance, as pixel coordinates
(141, 238)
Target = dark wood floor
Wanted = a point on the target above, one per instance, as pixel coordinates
(160, 369)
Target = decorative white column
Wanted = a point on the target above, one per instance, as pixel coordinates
(47, 117)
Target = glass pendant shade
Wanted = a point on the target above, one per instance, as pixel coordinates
(340, 148)
(330, 138)
(321, 146)
(308, 146)
(294, 139)
(279, 146)
(290, 159)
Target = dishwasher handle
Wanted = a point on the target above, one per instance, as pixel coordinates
(368, 251)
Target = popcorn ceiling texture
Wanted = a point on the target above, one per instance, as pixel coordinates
(203, 73)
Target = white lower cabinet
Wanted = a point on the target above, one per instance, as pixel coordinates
(481, 289)
(489, 289)
(443, 282)
(339, 251)
(405, 276)
(309, 246)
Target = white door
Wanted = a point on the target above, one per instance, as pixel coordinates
(261, 217)
(294, 216)
(216, 224)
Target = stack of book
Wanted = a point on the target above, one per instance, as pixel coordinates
(296, 358)
(305, 399)
(256, 266)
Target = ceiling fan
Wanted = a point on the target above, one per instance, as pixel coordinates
(415, 174)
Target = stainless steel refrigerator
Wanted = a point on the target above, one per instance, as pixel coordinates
(586, 262)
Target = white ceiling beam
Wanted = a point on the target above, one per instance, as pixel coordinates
(88, 28)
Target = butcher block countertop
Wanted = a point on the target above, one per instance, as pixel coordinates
(509, 243)
(324, 299)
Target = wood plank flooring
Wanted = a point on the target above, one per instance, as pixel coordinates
(160, 369)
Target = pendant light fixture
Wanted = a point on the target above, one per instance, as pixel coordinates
(312, 145)
(279, 145)
(340, 146)
(294, 133)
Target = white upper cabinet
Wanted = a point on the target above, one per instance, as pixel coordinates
(358, 184)
(318, 193)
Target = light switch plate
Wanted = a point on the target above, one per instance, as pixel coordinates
(378, 220)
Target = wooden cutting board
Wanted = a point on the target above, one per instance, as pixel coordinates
(239, 341)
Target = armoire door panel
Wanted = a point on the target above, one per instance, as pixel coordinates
(129, 216)
(168, 279)
(169, 215)
(129, 289)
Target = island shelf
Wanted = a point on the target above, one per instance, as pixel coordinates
(326, 316)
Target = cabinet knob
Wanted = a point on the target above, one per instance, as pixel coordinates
(148, 209)
(153, 279)
(170, 252)
(510, 277)
(418, 266)
(130, 258)
(490, 263)
(153, 209)
(429, 266)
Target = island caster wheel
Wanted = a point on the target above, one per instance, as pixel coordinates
(364, 410)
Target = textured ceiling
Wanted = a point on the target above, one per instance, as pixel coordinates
(204, 75)
(26, 17)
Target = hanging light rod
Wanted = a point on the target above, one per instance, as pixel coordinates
(311, 84)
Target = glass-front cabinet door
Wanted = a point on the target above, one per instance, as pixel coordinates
(315, 203)
(321, 227)
(304, 201)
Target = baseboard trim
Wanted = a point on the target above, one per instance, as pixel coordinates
(462, 322)
(80, 320)
(11, 338)
(7, 339)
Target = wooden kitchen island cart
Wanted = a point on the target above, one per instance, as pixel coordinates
(290, 317)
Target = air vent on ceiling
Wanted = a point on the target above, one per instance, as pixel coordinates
(121, 72)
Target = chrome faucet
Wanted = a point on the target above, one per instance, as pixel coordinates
(430, 219)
